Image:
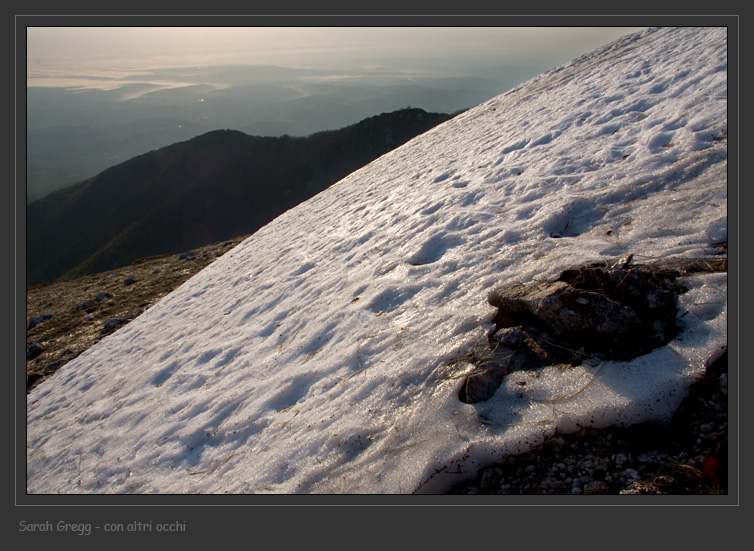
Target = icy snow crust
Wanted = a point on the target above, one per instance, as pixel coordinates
(325, 353)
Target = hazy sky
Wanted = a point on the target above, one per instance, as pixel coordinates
(100, 95)
(109, 56)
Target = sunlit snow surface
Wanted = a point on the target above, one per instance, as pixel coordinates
(318, 356)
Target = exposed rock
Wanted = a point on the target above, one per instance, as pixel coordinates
(33, 351)
(485, 379)
(112, 324)
(609, 312)
(612, 310)
(36, 320)
(482, 383)
(53, 367)
(687, 456)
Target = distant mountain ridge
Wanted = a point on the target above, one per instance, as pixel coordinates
(210, 188)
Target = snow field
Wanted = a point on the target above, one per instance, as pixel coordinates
(325, 353)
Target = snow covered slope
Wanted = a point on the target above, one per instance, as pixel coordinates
(318, 356)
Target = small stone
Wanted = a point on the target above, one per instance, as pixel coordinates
(510, 336)
(482, 383)
(596, 487)
(34, 351)
(111, 325)
(556, 443)
(552, 484)
(129, 281)
(576, 490)
(36, 320)
(31, 379)
(52, 367)
(489, 479)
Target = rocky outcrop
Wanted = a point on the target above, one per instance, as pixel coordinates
(613, 310)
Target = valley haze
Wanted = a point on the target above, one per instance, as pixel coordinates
(100, 96)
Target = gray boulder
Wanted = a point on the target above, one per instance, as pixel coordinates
(614, 310)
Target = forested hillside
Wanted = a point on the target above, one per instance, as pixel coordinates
(213, 187)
